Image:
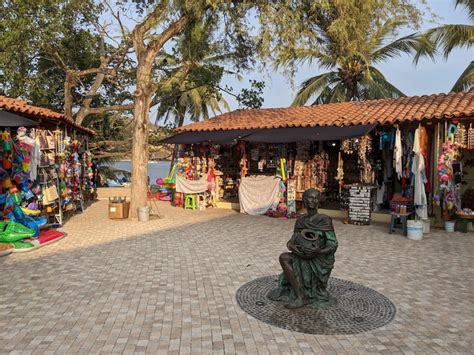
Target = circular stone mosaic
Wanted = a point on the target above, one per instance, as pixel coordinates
(358, 308)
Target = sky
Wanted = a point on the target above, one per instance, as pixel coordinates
(426, 78)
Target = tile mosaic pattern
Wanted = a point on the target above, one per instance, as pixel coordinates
(357, 309)
(168, 286)
(385, 111)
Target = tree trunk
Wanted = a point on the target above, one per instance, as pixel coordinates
(141, 111)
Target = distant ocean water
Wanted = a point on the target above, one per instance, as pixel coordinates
(156, 169)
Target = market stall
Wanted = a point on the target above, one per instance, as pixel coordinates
(385, 151)
(45, 173)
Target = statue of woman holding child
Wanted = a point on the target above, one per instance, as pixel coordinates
(310, 260)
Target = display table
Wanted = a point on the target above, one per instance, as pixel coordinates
(463, 220)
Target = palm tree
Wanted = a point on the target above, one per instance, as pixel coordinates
(448, 37)
(193, 72)
(350, 62)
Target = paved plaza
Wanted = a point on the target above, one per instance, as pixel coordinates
(169, 285)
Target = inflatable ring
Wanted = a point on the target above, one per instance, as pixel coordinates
(31, 212)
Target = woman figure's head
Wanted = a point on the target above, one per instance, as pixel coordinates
(311, 199)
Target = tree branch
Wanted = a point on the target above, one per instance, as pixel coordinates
(96, 110)
(157, 43)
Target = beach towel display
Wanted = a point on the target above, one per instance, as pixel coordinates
(258, 194)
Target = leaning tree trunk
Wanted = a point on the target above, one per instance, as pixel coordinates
(141, 110)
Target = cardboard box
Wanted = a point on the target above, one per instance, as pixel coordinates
(119, 210)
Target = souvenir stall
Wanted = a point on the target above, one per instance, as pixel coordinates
(270, 178)
(366, 158)
(40, 168)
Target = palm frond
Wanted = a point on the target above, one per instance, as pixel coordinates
(425, 48)
(469, 5)
(388, 89)
(312, 87)
(466, 81)
(449, 37)
(403, 45)
(338, 94)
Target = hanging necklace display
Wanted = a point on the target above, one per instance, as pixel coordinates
(470, 137)
(348, 145)
(340, 172)
(320, 168)
(366, 172)
(461, 135)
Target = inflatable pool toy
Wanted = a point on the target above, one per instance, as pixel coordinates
(21, 246)
(31, 212)
(49, 236)
(6, 248)
(45, 238)
(12, 232)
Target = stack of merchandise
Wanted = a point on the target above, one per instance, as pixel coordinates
(22, 227)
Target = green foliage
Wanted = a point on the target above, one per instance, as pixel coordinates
(192, 73)
(352, 37)
(252, 97)
(448, 37)
(31, 31)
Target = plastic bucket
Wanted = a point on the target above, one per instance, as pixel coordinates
(426, 226)
(415, 230)
(449, 226)
(143, 214)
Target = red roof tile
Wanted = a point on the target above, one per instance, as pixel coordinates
(385, 111)
(34, 112)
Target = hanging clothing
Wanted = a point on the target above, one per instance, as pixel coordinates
(33, 148)
(423, 140)
(419, 173)
(380, 193)
(397, 154)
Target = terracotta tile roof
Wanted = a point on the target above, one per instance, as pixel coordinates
(35, 113)
(385, 111)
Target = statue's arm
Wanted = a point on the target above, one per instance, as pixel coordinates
(293, 247)
(331, 247)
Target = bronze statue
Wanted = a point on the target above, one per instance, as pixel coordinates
(308, 265)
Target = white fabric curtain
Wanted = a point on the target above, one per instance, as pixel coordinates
(258, 194)
(191, 186)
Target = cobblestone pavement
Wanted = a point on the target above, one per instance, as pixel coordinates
(168, 286)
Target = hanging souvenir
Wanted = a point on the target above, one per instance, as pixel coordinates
(461, 136)
(320, 168)
(347, 146)
(470, 137)
(340, 172)
(243, 166)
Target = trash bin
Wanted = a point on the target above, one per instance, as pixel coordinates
(143, 214)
